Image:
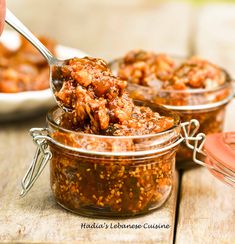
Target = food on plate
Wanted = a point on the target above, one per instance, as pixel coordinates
(24, 69)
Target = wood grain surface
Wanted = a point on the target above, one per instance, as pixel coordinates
(102, 29)
(207, 206)
(207, 210)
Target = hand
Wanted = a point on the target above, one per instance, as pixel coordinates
(2, 14)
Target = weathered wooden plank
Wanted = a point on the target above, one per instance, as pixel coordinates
(103, 28)
(207, 209)
(207, 212)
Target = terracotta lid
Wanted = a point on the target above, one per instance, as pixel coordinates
(221, 147)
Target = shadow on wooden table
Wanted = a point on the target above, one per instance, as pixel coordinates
(26, 121)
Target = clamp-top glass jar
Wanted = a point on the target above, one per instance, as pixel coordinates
(107, 176)
(207, 105)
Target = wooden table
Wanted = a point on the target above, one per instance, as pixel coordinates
(201, 209)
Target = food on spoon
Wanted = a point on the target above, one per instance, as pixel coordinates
(99, 102)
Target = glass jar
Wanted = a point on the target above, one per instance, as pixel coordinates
(208, 106)
(107, 176)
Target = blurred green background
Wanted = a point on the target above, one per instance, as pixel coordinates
(199, 2)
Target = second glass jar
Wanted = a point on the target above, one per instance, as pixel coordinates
(208, 106)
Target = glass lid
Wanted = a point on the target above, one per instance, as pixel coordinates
(221, 147)
(219, 152)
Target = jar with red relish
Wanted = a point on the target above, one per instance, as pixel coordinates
(107, 176)
(194, 88)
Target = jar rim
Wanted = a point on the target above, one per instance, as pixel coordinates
(202, 106)
(114, 145)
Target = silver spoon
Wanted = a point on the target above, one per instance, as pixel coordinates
(53, 61)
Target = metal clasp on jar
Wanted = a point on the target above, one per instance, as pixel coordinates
(42, 155)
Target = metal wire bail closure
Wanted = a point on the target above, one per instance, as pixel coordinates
(41, 158)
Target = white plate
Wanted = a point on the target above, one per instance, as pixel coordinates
(18, 105)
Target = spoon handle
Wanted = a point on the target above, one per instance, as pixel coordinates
(23, 30)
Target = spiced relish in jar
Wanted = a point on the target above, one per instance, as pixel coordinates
(193, 87)
(111, 156)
